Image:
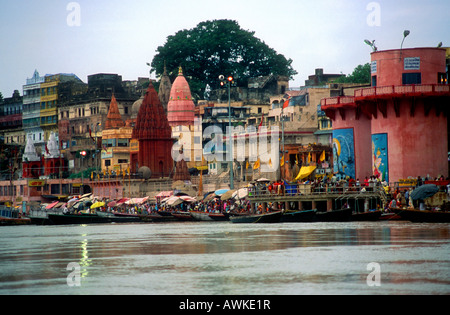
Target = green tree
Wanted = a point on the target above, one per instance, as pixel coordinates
(218, 47)
(361, 74)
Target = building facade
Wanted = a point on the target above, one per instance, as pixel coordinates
(398, 127)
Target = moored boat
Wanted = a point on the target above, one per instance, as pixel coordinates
(270, 217)
(426, 216)
(341, 215)
(183, 216)
(84, 218)
(299, 216)
(158, 217)
(210, 216)
(366, 216)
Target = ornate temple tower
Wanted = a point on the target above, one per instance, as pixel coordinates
(180, 109)
(153, 132)
(114, 119)
(165, 86)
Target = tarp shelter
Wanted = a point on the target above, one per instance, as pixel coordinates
(305, 171)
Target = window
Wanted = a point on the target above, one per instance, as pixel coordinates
(107, 162)
(123, 161)
(442, 78)
(412, 78)
(122, 143)
(374, 80)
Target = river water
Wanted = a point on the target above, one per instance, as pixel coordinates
(218, 258)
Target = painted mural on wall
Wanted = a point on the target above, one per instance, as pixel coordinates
(343, 153)
(380, 156)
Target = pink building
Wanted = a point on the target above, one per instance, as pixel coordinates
(398, 127)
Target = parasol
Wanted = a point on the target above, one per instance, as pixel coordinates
(424, 191)
(98, 204)
(227, 195)
(220, 192)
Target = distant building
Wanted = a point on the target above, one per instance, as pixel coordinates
(319, 78)
(11, 119)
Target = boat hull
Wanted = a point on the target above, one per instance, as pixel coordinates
(426, 216)
(299, 216)
(273, 217)
(342, 215)
(209, 216)
(366, 216)
(61, 219)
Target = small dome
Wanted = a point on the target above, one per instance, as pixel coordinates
(135, 107)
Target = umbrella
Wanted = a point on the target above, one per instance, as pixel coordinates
(187, 198)
(112, 204)
(98, 204)
(220, 192)
(174, 201)
(263, 180)
(241, 193)
(424, 191)
(228, 195)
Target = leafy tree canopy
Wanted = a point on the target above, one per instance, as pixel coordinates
(218, 47)
(361, 74)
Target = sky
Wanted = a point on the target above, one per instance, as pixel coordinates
(85, 37)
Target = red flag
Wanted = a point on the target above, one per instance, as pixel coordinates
(90, 134)
(286, 103)
(46, 149)
(260, 124)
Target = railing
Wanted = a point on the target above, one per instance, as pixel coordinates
(402, 89)
(292, 190)
(386, 90)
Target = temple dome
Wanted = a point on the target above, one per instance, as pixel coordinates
(136, 106)
(180, 109)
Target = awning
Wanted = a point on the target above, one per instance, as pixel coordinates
(52, 205)
(121, 201)
(137, 201)
(164, 194)
(305, 171)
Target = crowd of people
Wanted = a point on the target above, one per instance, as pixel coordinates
(396, 196)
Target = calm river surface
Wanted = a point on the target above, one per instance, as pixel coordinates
(225, 258)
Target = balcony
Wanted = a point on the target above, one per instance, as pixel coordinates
(385, 92)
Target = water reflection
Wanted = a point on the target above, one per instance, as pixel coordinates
(222, 258)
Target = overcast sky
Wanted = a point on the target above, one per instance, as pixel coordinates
(121, 36)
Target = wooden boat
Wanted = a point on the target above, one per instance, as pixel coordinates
(118, 217)
(270, 217)
(427, 216)
(366, 216)
(157, 217)
(14, 221)
(299, 216)
(84, 218)
(341, 215)
(209, 216)
(390, 216)
(183, 216)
